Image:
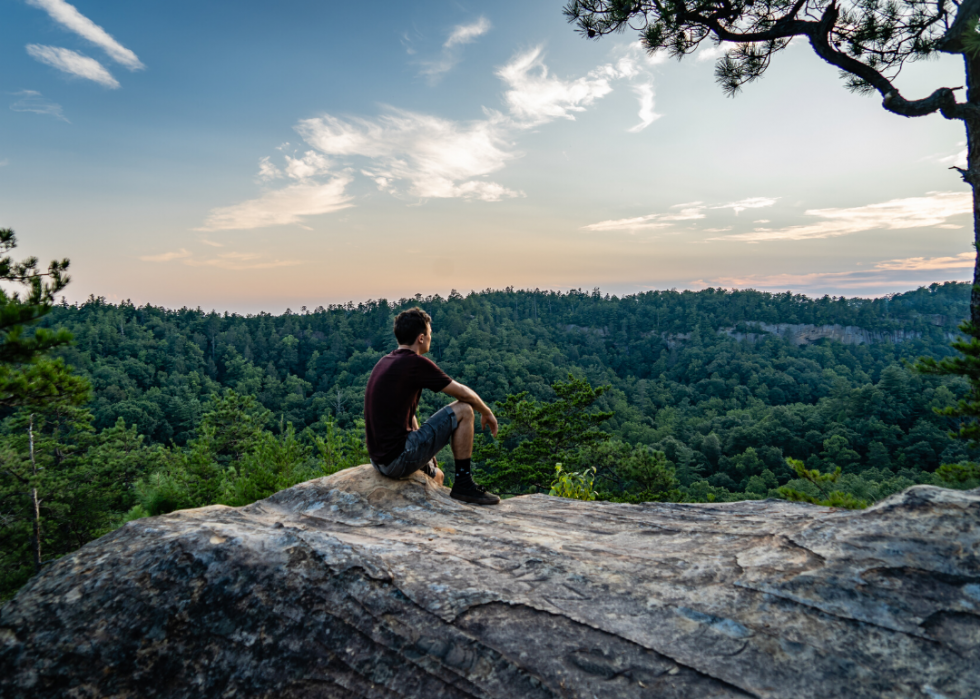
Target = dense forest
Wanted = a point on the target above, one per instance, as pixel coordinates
(693, 396)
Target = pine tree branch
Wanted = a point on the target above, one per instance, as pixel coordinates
(941, 100)
(952, 41)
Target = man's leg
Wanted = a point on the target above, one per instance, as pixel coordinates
(463, 486)
(462, 442)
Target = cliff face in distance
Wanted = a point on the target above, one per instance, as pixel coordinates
(358, 586)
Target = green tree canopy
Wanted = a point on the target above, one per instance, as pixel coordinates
(27, 377)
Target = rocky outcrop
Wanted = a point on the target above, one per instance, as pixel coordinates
(358, 586)
(803, 334)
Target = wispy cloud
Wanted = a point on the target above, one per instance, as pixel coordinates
(535, 97)
(647, 116)
(73, 20)
(280, 207)
(241, 261)
(32, 101)
(459, 36)
(751, 203)
(228, 260)
(956, 158)
(422, 156)
(932, 210)
(879, 279)
(964, 259)
(73, 63)
(691, 211)
(710, 53)
(466, 33)
(4, 163)
(310, 164)
(637, 223)
(438, 158)
(211, 243)
(166, 256)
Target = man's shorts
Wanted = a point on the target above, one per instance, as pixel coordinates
(421, 445)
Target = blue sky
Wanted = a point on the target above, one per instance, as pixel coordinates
(257, 156)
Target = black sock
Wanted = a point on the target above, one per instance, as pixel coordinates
(463, 476)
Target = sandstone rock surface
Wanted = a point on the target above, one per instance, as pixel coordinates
(358, 586)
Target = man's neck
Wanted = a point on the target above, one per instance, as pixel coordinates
(411, 348)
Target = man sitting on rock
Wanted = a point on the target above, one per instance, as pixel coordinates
(397, 445)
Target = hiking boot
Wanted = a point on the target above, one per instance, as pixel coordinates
(471, 492)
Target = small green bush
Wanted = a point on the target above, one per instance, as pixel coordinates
(577, 485)
(821, 481)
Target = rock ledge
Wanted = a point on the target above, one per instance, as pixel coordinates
(359, 586)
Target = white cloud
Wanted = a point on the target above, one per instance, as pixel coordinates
(466, 33)
(710, 53)
(958, 159)
(282, 207)
(73, 20)
(32, 101)
(460, 35)
(438, 158)
(893, 275)
(955, 159)
(647, 116)
(228, 260)
(4, 163)
(167, 256)
(241, 261)
(929, 211)
(691, 211)
(268, 171)
(424, 156)
(535, 97)
(211, 243)
(964, 259)
(750, 203)
(310, 165)
(74, 63)
(637, 223)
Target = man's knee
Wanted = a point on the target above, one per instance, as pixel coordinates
(464, 411)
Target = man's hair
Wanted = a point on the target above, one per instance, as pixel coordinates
(410, 324)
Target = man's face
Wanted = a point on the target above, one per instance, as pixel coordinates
(425, 341)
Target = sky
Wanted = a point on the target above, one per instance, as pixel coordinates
(248, 157)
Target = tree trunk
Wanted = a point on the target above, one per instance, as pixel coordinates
(34, 499)
(972, 177)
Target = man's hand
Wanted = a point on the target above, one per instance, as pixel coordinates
(487, 419)
(465, 394)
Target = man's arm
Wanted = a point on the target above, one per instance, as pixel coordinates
(465, 394)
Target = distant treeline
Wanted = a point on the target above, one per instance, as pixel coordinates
(155, 367)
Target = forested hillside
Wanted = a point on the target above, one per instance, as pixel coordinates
(706, 400)
(190, 407)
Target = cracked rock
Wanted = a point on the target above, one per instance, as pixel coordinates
(359, 586)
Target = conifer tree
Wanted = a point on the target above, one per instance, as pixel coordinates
(27, 376)
(868, 41)
(34, 383)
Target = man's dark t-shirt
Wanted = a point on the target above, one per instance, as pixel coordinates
(392, 397)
